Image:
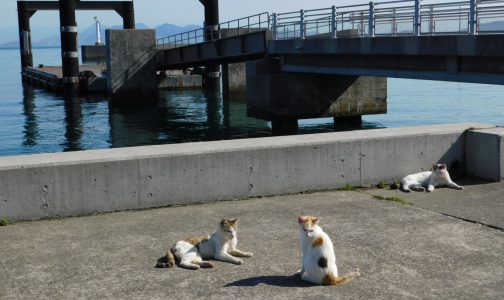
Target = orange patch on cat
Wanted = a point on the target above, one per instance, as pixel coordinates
(318, 242)
(194, 240)
(330, 279)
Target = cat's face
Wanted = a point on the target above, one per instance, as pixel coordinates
(439, 169)
(307, 225)
(228, 227)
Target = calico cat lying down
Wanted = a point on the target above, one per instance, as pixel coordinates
(319, 261)
(192, 252)
(438, 176)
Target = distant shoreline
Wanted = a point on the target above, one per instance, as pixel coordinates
(39, 47)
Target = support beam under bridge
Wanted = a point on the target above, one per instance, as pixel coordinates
(68, 25)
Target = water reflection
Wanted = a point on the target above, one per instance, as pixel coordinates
(54, 124)
(73, 124)
(30, 132)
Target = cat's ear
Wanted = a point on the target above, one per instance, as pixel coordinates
(223, 222)
(234, 221)
(301, 219)
(316, 220)
(443, 166)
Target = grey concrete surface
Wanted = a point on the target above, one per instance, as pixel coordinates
(131, 61)
(276, 95)
(76, 183)
(93, 52)
(486, 148)
(403, 252)
(174, 82)
(480, 201)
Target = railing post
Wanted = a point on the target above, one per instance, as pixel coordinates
(431, 20)
(274, 26)
(416, 21)
(473, 9)
(333, 22)
(361, 29)
(371, 19)
(394, 22)
(301, 24)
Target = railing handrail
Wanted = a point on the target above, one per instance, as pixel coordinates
(211, 30)
(412, 17)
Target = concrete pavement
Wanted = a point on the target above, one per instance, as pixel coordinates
(403, 252)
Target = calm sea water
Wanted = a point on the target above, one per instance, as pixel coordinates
(35, 121)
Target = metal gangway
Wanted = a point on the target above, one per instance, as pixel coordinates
(421, 39)
(373, 19)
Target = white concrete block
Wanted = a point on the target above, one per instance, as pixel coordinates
(485, 153)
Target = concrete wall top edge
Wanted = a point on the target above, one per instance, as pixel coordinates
(499, 130)
(143, 152)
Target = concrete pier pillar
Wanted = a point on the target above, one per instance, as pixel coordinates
(69, 52)
(24, 35)
(284, 127)
(347, 122)
(128, 15)
(211, 17)
(283, 97)
(225, 81)
(131, 73)
(212, 80)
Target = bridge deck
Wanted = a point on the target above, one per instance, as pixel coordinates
(462, 58)
(248, 46)
(450, 41)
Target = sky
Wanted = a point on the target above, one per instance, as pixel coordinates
(178, 12)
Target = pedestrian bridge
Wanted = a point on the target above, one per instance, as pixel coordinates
(459, 41)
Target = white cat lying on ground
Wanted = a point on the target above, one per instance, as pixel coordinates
(438, 176)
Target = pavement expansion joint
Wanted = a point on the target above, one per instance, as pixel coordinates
(474, 222)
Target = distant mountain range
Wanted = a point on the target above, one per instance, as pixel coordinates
(51, 38)
(85, 37)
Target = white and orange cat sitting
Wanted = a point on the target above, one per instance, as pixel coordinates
(319, 261)
(192, 252)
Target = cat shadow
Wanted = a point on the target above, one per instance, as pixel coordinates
(275, 280)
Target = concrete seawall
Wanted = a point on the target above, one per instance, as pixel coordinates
(75, 183)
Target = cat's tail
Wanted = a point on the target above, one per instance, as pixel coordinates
(330, 279)
(167, 261)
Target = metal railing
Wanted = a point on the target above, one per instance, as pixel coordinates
(392, 18)
(387, 18)
(258, 22)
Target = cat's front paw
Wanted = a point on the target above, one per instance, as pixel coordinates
(460, 188)
(238, 262)
(248, 254)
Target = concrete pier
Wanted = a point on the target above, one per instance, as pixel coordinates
(283, 97)
(68, 26)
(234, 82)
(91, 79)
(132, 71)
(93, 53)
(76, 183)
